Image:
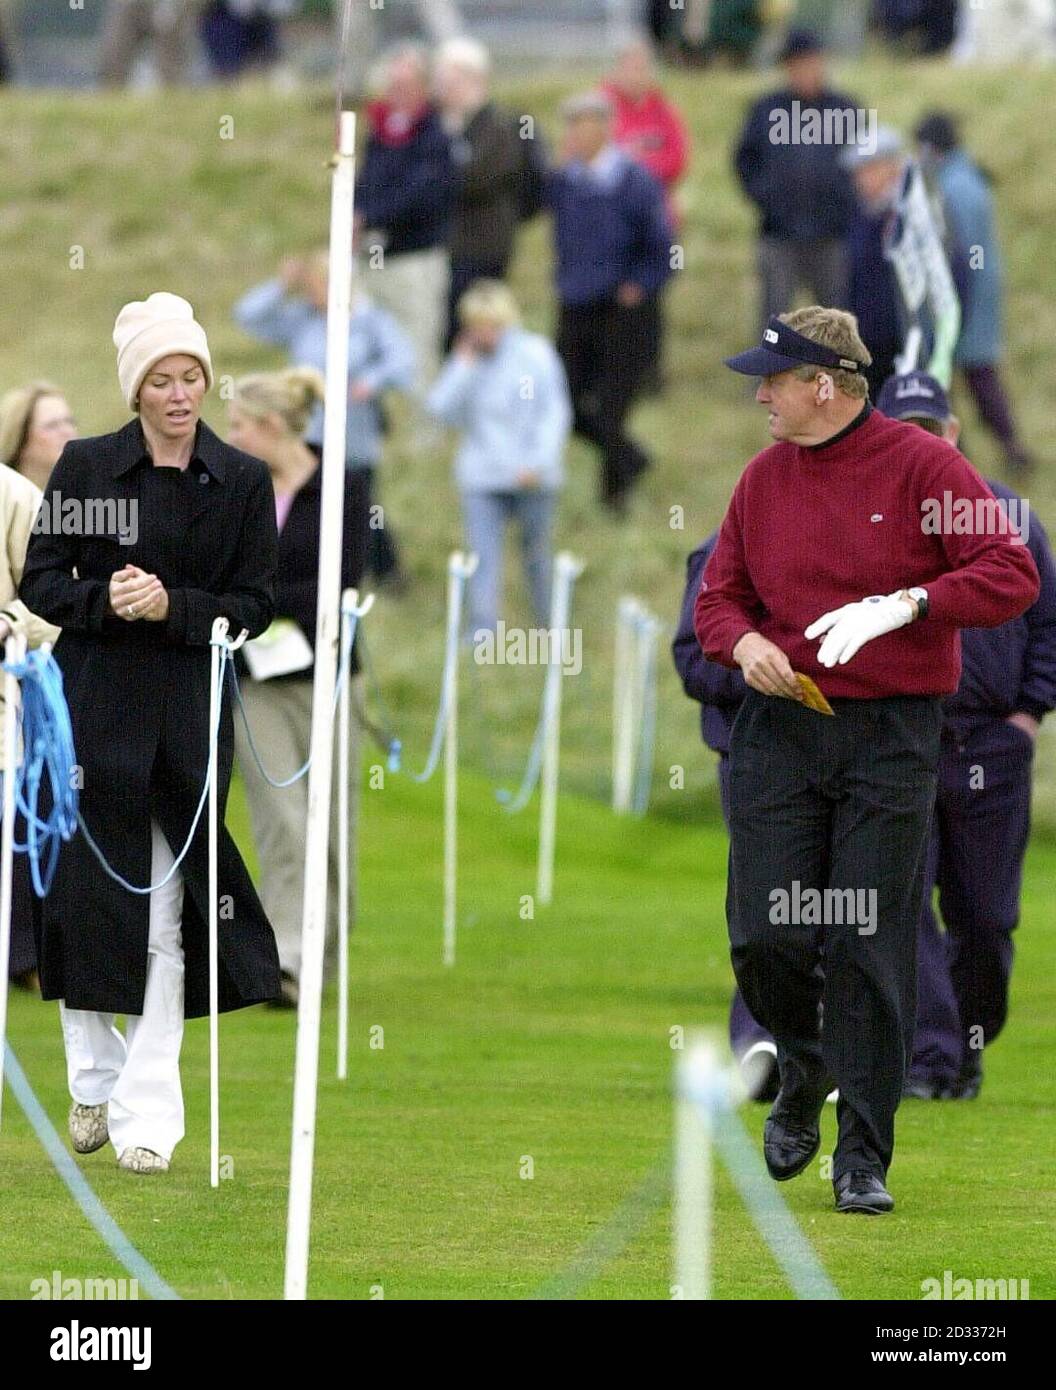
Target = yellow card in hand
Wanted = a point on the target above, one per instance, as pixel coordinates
(812, 696)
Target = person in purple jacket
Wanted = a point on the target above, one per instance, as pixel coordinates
(612, 240)
(982, 811)
(980, 828)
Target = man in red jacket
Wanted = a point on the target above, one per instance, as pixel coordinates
(882, 541)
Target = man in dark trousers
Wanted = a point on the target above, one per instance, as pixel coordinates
(803, 194)
(980, 829)
(825, 537)
(613, 245)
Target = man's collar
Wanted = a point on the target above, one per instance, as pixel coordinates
(859, 419)
(131, 449)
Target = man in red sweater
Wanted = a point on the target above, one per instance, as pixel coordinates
(882, 541)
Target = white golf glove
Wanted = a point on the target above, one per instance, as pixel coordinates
(850, 627)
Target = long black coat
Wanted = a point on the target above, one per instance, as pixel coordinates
(138, 694)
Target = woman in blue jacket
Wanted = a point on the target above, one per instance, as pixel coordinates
(967, 204)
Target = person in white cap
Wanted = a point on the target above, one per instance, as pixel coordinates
(165, 528)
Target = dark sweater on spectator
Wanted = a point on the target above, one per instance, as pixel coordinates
(608, 232)
(297, 575)
(810, 529)
(500, 180)
(801, 190)
(406, 188)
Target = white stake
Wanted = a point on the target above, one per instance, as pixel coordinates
(15, 652)
(220, 627)
(624, 701)
(351, 612)
(459, 568)
(313, 934)
(566, 569)
(696, 1076)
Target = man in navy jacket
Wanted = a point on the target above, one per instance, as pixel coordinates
(982, 815)
(613, 241)
(802, 192)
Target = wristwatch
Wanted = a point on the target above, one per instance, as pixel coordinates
(920, 597)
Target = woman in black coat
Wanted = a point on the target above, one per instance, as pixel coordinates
(189, 536)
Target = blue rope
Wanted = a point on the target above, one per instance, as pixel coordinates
(301, 771)
(225, 656)
(47, 741)
(448, 678)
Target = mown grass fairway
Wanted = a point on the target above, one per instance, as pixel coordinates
(548, 1042)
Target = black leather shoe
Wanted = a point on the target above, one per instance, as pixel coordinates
(789, 1142)
(862, 1191)
(970, 1082)
(920, 1088)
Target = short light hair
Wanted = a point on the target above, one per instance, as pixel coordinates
(16, 417)
(468, 55)
(491, 301)
(290, 394)
(836, 329)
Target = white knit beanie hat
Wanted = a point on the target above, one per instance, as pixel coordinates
(148, 330)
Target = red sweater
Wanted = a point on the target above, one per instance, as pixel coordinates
(652, 132)
(810, 529)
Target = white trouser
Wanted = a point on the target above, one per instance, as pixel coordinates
(139, 1074)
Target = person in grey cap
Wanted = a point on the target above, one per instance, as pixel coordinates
(902, 290)
(803, 194)
(830, 800)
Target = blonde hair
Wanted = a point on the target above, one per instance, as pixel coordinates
(490, 300)
(290, 394)
(836, 329)
(16, 417)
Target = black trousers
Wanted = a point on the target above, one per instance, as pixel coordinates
(842, 805)
(605, 349)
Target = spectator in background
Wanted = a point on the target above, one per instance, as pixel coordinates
(613, 249)
(874, 297)
(968, 209)
(509, 461)
(35, 423)
(501, 170)
(981, 827)
(290, 312)
(405, 199)
(165, 26)
(269, 413)
(925, 26)
(648, 127)
(242, 34)
(804, 196)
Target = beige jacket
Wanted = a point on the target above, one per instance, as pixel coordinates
(19, 503)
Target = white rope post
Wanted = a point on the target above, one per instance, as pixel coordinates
(697, 1076)
(313, 931)
(14, 652)
(220, 627)
(459, 568)
(625, 685)
(566, 570)
(351, 612)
